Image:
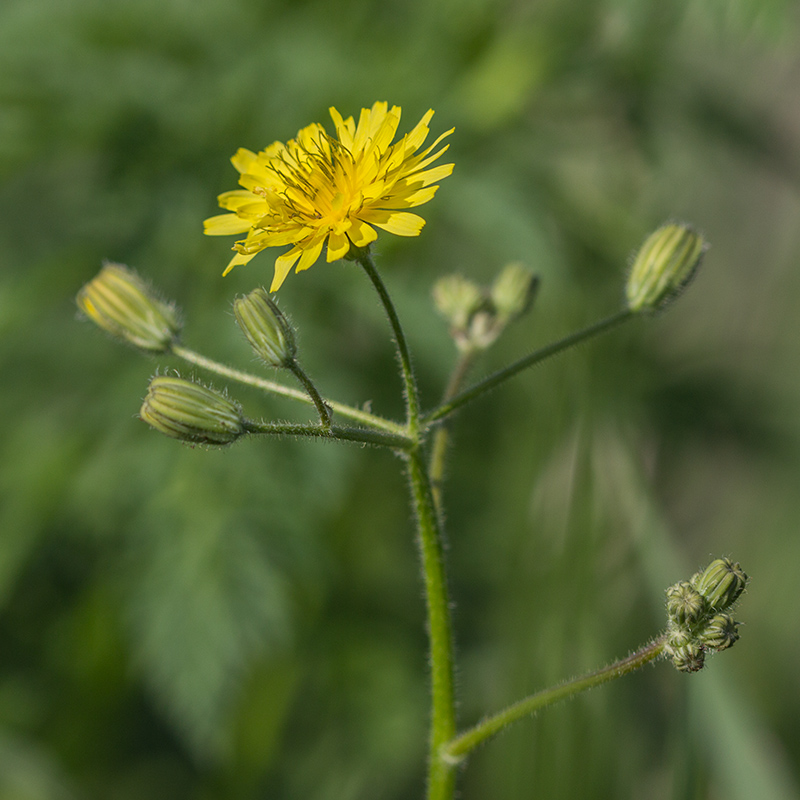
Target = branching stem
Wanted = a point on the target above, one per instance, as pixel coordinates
(467, 741)
(364, 417)
(502, 375)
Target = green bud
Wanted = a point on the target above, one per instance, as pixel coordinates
(191, 412)
(265, 327)
(457, 300)
(721, 583)
(720, 633)
(685, 605)
(120, 302)
(677, 636)
(689, 658)
(666, 262)
(513, 291)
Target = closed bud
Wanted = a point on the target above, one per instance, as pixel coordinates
(721, 632)
(457, 300)
(666, 262)
(689, 658)
(122, 304)
(191, 412)
(677, 636)
(721, 583)
(265, 327)
(513, 291)
(685, 605)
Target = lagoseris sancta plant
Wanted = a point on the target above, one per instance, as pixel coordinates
(331, 194)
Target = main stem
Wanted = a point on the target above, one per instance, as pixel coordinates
(441, 775)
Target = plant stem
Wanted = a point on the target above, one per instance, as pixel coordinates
(441, 775)
(362, 435)
(246, 378)
(412, 397)
(441, 438)
(322, 409)
(467, 741)
(496, 378)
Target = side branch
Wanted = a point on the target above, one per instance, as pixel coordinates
(273, 387)
(336, 432)
(496, 378)
(467, 741)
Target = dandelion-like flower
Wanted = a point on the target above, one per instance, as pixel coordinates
(317, 189)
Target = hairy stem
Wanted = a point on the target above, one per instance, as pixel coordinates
(441, 776)
(362, 435)
(410, 385)
(364, 417)
(467, 741)
(322, 409)
(441, 439)
(496, 378)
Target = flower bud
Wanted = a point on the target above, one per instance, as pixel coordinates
(191, 412)
(685, 605)
(666, 262)
(513, 291)
(721, 583)
(677, 636)
(457, 300)
(689, 658)
(720, 633)
(265, 327)
(120, 302)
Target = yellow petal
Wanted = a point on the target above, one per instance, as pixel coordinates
(239, 258)
(345, 129)
(243, 159)
(310, 254)
(338, 246)
(400, 223)
(417, 136)
(225, 225)
(409, 198)
(362, 234)
(283, 266)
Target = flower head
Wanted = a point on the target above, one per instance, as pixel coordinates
(319, 189)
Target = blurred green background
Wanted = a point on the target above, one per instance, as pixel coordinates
(248, 623)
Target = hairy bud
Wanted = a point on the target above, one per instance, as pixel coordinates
(685, 605)
(666, 262)
(121, 303)
(721, 583)
(266, 328)
(191, 412)
(720, 633)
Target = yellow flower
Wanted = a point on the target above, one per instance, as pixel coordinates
(316, 189)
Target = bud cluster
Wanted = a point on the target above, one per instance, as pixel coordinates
(698, 614)
(477, 314)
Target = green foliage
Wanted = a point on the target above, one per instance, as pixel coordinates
(194, 623)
